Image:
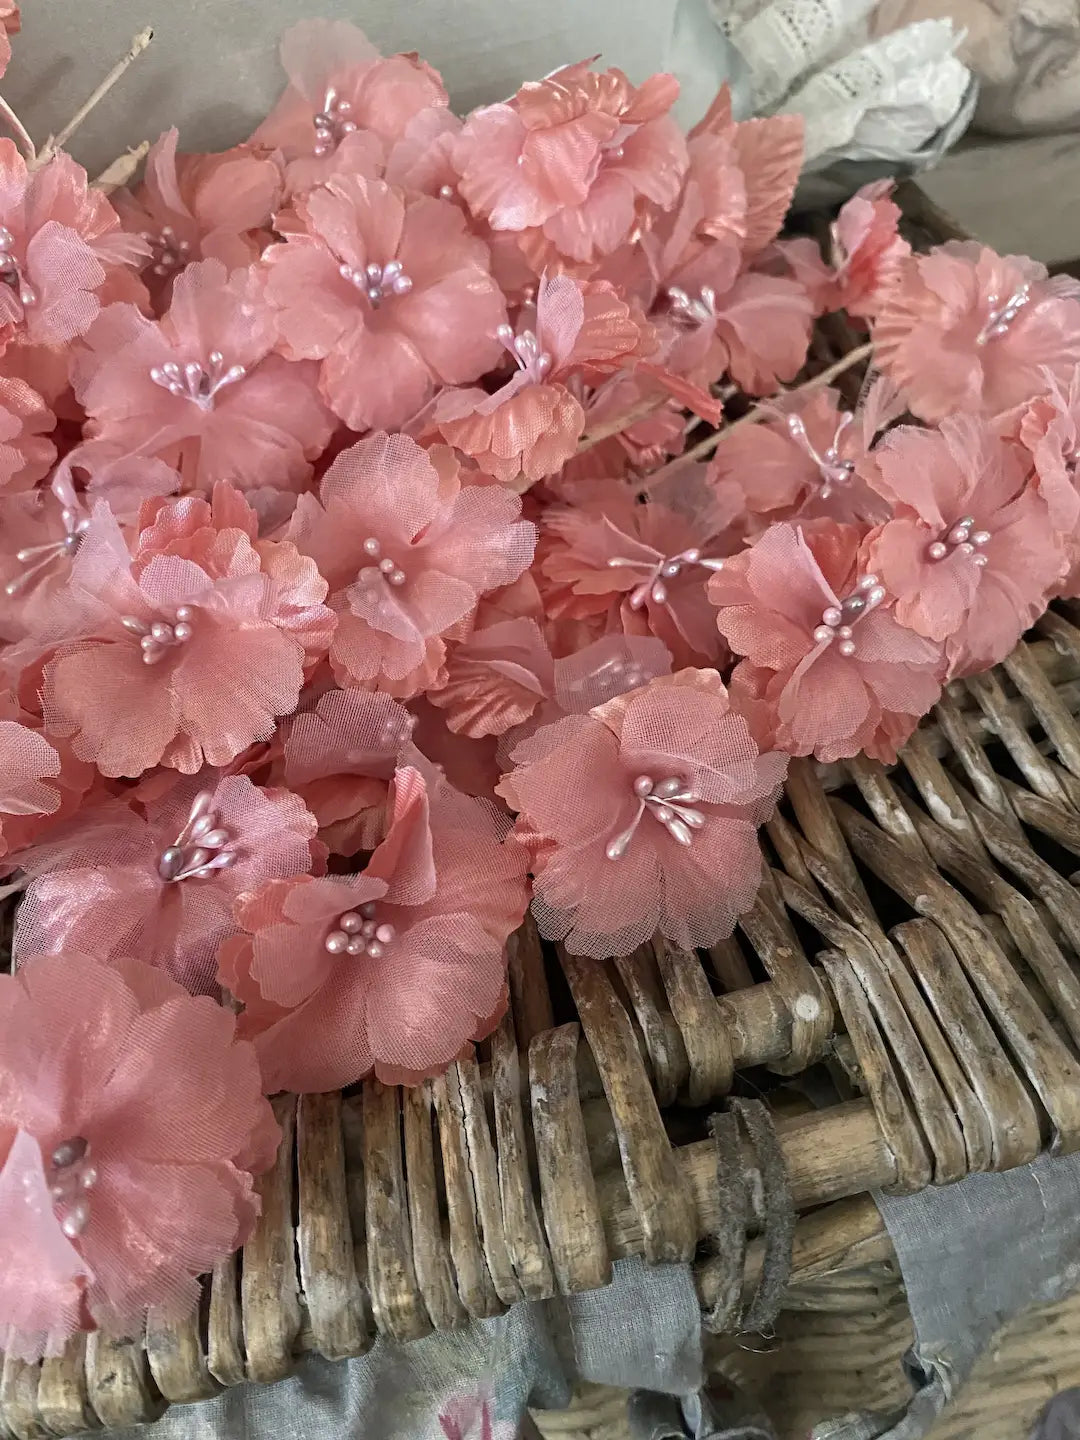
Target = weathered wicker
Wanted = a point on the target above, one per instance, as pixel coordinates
(916, 930)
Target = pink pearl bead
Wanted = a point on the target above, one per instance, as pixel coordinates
(337, 942)
(351, 922)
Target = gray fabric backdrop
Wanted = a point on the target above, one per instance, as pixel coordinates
(213, 69)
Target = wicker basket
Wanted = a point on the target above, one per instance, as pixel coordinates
(916, 931)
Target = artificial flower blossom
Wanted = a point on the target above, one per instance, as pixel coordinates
(828, 670)
(200, 389)
(393, 970)
(201, 207)
(970, 555)
(160, 879)
(668, 790)
(408, 547)
(184, 652)
(965, 329)
(131, 1123)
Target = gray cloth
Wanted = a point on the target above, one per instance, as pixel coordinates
(643, 1330)
(213, 68)
(973, 1256)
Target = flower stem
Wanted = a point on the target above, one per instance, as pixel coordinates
(122, 169)
(18, 129)
(704, 448)
(57, 142)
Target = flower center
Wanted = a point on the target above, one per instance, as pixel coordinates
(1001, 317)
(653, 587)
(527, 352)
(378, 281)
(200, 849)
(167, 253)
(160, 636)
(195, 382)
(71, 1176)
(962, 538)
(10, 271)
(669, 801)
(834, 469)
(385, 571)
(696, 310)
(359, 932)
(332, 123)
(35, 559)
(837, 621)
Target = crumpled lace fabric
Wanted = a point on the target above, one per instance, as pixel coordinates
(883, 99)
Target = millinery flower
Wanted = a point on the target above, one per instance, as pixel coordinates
(131, 1121)
(182, 655)
(645, 565)
(966, 329)
(408, 550)
(802, 460)
(467, 1415)
(531, 425)
(160, 880)
(201, 207)
(668, 790)
(745, 173)
(970, 555)
(345, 104)
(201, 389)
(394, 970)
(573, 154)
(25, 422)
(1049, 429)
(41, 782)
(828, 666)
(391, 292)
(60, 244)
(867, 250)
(340, 758)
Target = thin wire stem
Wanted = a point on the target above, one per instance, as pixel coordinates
(57, 142)
(18, 128)
(704, 448)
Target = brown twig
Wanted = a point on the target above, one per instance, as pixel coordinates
(704, 448)
(57, 142)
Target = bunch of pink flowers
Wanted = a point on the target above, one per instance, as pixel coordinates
(359, 586)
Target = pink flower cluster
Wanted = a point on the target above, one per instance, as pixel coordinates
(356, 592)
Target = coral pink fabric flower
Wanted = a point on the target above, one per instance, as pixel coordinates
(161, 880)
(970, 555)
(185, 653)
(867, 250)
(200, 388)
(645, 566)
(496, 679)
(531, 425)
(966, 329)
(832, 670)
(802, 461)
(390, 292)
(131, 1120)
(25, 422)
(345, 104)
(1049, 429)
(668, 791)
(60, 242)
(41, 782)
(394, 970)
(340, 758)
(574, 154)
(408, 550)
(201, 207)
(744, 174)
